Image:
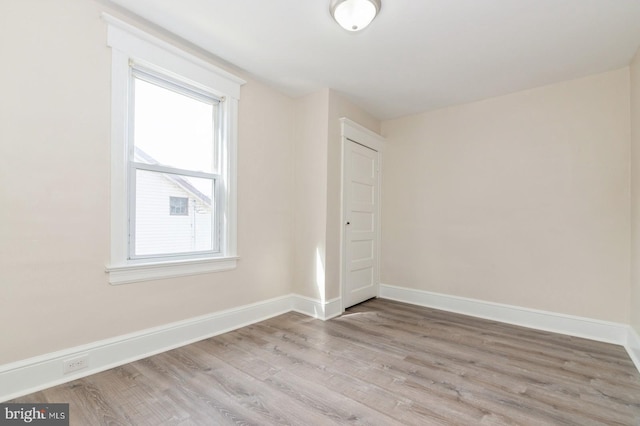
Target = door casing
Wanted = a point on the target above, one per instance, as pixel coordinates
(354, 132)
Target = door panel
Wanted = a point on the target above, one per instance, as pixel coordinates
(361, 250)
(361, 213)
(362, 221)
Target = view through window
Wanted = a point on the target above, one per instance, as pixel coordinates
(174, 158)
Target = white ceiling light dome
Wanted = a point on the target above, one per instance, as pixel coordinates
(354, 15)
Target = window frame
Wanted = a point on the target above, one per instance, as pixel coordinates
(130, 45)
(139, 73)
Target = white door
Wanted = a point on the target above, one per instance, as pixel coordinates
(361, 191)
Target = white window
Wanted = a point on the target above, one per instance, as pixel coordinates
(179, 206)
(173, 145)
(174, 130)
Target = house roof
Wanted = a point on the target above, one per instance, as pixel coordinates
(175, 179)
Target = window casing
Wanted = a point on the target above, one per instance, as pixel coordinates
(168, 163)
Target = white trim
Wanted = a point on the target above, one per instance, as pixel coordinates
(316, 308)
(119, 157)
(633, 347)
(229, 238)
(125, 274)
(603, 331)
(132, 45)
(360, 134)
(41, 372)
(352, 131)
(149, 49)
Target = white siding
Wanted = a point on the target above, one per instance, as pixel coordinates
(157, 231)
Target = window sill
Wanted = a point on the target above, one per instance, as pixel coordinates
(125, 274)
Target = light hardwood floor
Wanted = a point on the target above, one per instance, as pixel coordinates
(381, 363)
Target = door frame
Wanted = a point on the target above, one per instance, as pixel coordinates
(354, 132)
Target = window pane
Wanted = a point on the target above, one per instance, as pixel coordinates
(172, 129)
(179, 206)
(174, 214)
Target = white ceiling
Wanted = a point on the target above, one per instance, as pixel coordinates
(417, 55)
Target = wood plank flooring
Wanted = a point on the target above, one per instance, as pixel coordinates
(382, 363)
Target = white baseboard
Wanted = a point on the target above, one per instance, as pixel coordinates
(316, 308)
(602, 331)
(633, 347)
(34, 374)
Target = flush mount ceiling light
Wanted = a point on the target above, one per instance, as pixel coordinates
(354, 15)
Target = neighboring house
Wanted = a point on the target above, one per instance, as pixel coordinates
(173, 216)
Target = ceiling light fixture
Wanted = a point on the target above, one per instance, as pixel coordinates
(354, 15)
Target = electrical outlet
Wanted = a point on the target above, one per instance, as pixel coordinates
(74, 364)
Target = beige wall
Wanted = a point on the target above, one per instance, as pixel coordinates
(317, 175)
(310, 194)
(635, 192)
(521, 199)
(54, 165)
(54, 174)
